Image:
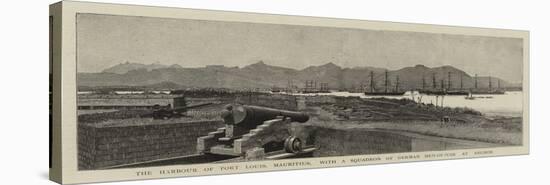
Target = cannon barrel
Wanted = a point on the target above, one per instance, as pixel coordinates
(183, 109)
(166, 113)
(251, 116)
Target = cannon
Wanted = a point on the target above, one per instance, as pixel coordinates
(168, 112)
(179, 109)
(251, 116)
(254, 131)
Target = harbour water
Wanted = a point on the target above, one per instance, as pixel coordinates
(507, 104)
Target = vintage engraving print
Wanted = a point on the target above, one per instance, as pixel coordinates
(159, 91)
(163, 92)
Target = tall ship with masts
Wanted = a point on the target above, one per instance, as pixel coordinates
(460, 90)
(386, 91)
(311, 87)
(489, 90)
(444, 89)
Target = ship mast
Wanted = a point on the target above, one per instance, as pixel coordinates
(475, 83)
(434, 84)
(397, 84)
(449, 80)
(371, 81)
(490, 83)
(423, 82)
(386, 82)
(289, 85)
(461, 81)
(315, 85)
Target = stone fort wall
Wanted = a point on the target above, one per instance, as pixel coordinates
(105, 146)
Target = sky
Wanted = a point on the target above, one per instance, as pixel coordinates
(106, 40)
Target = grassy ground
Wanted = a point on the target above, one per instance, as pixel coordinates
(402, 116)
(143, 117)
(83, 112)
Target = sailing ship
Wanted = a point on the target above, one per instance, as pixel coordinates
(490, 90)
(445, 89)
(386, 92)
(311, 87)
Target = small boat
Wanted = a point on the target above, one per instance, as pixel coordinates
(470, 97)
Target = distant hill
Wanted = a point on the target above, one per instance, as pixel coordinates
(262, 75)
(124, 68)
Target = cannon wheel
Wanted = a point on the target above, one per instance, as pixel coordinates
(293, 144)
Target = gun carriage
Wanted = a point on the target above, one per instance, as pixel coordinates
(253, 132)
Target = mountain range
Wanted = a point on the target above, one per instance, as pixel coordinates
(262, 75)
(126, 67)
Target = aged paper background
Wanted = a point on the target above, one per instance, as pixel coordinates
(69, 77)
